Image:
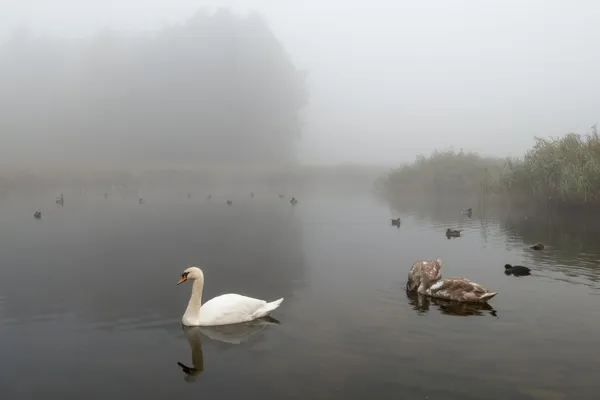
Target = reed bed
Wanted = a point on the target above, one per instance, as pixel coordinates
(559, 171)
(444, 173)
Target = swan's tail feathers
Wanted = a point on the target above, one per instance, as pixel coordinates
(488, 296)
(271, 306)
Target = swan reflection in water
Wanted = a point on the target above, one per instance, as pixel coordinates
(232, 334)
(421, 303)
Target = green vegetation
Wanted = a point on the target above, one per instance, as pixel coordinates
(563, 170)
(559, 171)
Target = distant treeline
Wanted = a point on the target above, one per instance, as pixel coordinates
(293, 178)
(217, 88)
(562, 171)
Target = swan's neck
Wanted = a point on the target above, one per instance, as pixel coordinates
(193, 308)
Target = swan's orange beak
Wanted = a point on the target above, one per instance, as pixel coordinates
(183, 279)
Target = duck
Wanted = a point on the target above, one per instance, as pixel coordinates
(142, 201)
(37, 214)
(293, 201)
(516, 270)
(425, 277)
(396, 222)
(225, 309)
(537, 246)
(467, 211)
(229, 202)
(453, 232)
(60, 200)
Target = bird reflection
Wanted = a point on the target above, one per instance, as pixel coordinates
(421, 303)
(232, 334)
(193, 337)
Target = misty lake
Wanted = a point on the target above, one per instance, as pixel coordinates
(89, 306)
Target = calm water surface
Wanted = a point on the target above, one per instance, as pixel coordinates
(89, 306)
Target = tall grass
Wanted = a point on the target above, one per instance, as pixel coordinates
(444, 173)
(560, 171)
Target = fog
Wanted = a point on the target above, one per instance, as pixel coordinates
(180, 82)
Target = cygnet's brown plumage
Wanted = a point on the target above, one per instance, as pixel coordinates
(424, 272)
(459, 289)
(425, 277)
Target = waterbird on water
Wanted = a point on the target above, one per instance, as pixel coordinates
(37, 214)
(293, 201)
(538, 246)
(229, 202)
(516, 270)
(425, 277)
(225, 309)
(396, 222)
(453, 232)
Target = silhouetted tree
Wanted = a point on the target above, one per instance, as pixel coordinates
(218, 88)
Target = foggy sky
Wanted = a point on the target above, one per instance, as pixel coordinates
(390, 79)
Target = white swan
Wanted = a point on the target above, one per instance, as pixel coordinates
(225, 309)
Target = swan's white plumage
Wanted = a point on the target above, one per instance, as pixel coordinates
(229, 309)
(225, 309)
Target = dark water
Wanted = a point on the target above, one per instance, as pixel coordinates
(89, 306)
